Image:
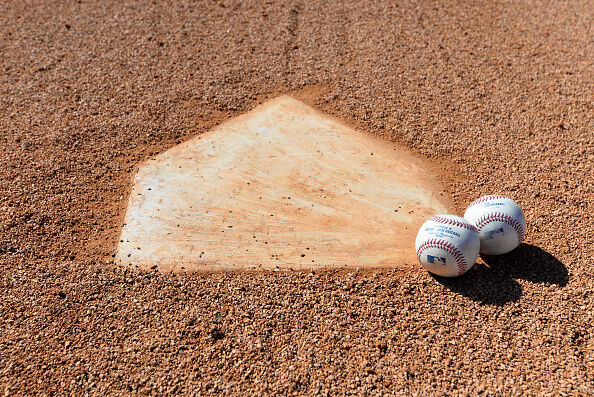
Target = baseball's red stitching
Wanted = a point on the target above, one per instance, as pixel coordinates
(486, 198)
(446, 246)
(501, 217)
(455, 222)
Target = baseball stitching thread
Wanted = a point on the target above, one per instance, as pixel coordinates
(453, 222)
(446, 246)
(501, 217)
(486, 198)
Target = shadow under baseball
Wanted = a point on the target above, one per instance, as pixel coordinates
(485, 285)
(531, 263)
(494, 283)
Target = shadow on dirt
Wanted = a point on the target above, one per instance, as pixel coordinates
(495, 282)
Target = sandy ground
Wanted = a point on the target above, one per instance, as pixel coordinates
(501, 90)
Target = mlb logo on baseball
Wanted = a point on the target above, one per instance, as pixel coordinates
(432, 259)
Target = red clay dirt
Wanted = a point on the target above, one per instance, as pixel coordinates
(497, 94)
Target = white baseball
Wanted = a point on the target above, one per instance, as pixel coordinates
(500, 222)
(447, 245)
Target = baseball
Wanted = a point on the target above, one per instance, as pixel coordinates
(500, 222)
(447, 245)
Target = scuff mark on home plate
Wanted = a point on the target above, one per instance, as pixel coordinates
(280, 187)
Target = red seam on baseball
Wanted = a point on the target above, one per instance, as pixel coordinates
(455, 222)
(486, 198)
(446, 246)
(501, 217)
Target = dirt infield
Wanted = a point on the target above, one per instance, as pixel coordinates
(498, 94)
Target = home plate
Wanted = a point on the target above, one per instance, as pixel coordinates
(281, 187)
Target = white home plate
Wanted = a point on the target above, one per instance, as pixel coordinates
(283, 186)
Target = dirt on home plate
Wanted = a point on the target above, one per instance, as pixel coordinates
(498, 95)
